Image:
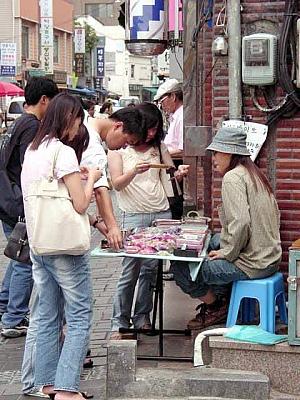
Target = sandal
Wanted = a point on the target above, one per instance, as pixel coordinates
(88, 363)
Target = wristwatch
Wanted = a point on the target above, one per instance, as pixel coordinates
(97, 221)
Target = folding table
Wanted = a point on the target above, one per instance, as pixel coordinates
(159, 294)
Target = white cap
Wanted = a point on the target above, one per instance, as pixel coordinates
(169, 86)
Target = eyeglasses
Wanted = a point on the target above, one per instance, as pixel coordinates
(163, 99)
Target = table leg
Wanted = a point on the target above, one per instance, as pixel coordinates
(160, 285)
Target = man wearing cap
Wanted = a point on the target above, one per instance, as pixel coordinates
(170, 96)
(249, 244)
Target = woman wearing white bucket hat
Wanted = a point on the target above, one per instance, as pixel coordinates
(249, 244)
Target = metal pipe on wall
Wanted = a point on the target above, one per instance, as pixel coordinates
(234, 58)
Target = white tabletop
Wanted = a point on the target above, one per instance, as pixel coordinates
(97, 252)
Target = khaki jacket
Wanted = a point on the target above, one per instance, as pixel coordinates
(250, 224)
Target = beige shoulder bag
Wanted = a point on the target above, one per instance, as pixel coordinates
(57, 227)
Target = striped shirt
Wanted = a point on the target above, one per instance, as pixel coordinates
(250, 222)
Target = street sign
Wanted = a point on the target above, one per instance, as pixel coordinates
(100, 69)
(8, 59)
(79, 64)
(6, 70)
(46, 32)
(79, 40)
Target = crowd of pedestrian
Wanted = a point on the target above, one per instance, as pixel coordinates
(58, 147)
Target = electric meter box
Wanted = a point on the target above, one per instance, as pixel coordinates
(259, 58)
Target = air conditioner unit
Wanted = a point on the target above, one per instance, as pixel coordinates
(259, 58)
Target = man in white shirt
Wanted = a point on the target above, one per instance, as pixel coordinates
(170, 96)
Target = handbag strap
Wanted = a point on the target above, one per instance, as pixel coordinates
(53, 162)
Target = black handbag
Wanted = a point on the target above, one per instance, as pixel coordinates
(17, 247)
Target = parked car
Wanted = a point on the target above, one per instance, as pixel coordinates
(125, 101)
(15, 108)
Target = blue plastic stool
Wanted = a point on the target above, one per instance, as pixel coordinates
(268, 292)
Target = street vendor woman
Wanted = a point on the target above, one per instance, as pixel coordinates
(142, 200)
(249, 244)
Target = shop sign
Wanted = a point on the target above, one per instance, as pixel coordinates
(256, 134)
(79, 40)
(79, 64)
(97, 83)
(47, 59)
(36, 72)
(8, 59)
(100, 62)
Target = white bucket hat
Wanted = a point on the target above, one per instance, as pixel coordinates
(169, 86)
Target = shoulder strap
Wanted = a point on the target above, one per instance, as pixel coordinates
(54, 159)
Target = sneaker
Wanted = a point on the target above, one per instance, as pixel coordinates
(16, 331)
(209, 314)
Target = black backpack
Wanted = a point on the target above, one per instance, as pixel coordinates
(11, 200)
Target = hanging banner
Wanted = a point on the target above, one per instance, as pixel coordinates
(46, 32)
(256, 134)
(8, 60)
(79, 64)
(100, 69)
(79, 40)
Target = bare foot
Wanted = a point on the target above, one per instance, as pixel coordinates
(68, 396)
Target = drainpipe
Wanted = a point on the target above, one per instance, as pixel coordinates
(234, 58)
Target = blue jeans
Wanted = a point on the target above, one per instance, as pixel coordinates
(56, 277)
(28, 365)
(134, 269)
(214, 275)
(15, 290)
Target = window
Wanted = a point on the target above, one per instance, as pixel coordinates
(56, 49)
(25, 42)
(100, 11)
(132, 71)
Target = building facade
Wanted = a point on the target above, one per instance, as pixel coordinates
(105, 11)
(206, 104)
(125, 74)
(20, 24)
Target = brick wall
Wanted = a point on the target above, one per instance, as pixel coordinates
(284, 139)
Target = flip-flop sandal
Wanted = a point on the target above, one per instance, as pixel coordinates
(88, 364)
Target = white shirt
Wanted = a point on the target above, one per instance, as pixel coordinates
(174, 137)
(37, 164)
(95, 156)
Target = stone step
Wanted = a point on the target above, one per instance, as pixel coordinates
(279, 362)
(124, 380)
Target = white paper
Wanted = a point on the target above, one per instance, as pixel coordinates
(256, 134)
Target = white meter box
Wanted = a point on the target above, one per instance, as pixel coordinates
(259, 59)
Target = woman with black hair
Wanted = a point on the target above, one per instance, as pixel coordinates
(61, 137)
(142, 200)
